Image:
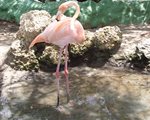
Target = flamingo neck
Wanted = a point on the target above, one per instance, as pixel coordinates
(75, 15)
(68, 4)
(77, 9)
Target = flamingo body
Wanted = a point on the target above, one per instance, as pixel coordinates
(65, 31)
(60, 33)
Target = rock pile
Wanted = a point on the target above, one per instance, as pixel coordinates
(106, 39)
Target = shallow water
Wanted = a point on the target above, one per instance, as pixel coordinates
(97, 94)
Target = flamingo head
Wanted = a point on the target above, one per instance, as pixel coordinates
(61, 10)
(38, 39)
(63, 7)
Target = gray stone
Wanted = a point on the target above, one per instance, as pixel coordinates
(144, 47)
(3, 54)
(31, 24)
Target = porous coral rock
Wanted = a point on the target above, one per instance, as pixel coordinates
(108, 38)
(49, 57)
(31, 24)
(21, 59)
(81, 49)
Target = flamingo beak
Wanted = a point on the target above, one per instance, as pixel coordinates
(38, 39)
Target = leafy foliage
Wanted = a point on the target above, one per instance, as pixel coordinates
(93, 14)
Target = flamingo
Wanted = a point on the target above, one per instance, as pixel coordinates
(62, 32)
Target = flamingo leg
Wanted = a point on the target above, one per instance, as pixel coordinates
(58, 75)
(66, 72)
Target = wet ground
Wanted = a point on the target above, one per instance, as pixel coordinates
(97, 93)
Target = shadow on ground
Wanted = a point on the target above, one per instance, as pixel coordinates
(98, 94)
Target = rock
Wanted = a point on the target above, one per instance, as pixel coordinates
(108, 38)
(31, 24)
(20, 59)
(98, 46)
(138, 49)
(140, 58)
(129, 52)
(144, 47)
(134, 50)
(3, 54)
(48, 58)
(81, 49)
(136, 55)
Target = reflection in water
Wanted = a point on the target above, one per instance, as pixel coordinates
(98, 94)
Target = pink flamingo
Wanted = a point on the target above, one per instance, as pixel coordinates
(62, 32)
